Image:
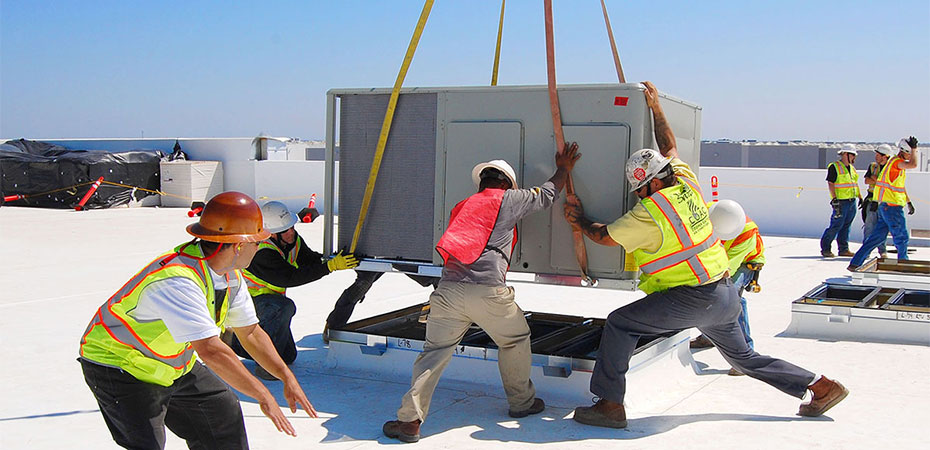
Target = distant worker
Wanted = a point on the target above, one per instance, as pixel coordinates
(684, 274)
(870, 205)
(283, 260)
(476, 249)
(891, 196)
(843, 183)
(138, 353)
(746, 255)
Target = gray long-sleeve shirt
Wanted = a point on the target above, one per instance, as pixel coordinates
(491, 268)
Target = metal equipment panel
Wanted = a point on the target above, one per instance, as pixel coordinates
(913, 274)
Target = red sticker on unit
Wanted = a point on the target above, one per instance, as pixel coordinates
(621, 101)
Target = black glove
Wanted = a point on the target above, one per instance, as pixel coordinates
(912, 141)
(835, 203)
(860, 203)
(910, 209)
(864, 206)
(873, 206)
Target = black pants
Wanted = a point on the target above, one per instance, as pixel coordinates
(355, 293)
(274, 316)
(198, 407)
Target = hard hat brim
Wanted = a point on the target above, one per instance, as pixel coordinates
(196, 230)
(476, 173)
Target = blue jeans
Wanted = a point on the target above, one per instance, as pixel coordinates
(839, 227)
(274, 316)
(740, 280)
(890, 218)
(871, 218)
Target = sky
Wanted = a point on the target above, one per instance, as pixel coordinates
(773, 70)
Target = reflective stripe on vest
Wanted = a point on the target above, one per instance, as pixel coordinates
(258, 286)
(146, 349)
(702, 253)
(846, 185)
(891, 192)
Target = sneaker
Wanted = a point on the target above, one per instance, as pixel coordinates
(734, 372)
(260, 372)
(701, 342)
(847, 253)
(403, 431)
(537, 407)
(852, 268)
(604, 413)
(827, 393)
(827, 254)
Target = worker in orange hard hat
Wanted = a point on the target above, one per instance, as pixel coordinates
(138, 352)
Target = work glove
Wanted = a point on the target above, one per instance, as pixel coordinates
(873, 206)
(912, 141)
(860, 202)
(342, 262)
(837, 213)
(910, 209)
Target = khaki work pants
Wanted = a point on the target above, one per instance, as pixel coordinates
(453, 308)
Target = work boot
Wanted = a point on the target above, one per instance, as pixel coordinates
(827, 254)
(734, 372)
(604, 413)
(260, 372)
(701, 342)
(403, 431)
(852, 267)
(326, 333)
(847, 253)
(537, 407)
(826, 394)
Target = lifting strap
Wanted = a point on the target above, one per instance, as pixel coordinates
(613, 45)
(497, 51)
(577, 235)
(386, 125)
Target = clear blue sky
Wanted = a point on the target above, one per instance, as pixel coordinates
(818, 70)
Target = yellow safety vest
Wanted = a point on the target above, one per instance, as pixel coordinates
(258, 286)
(875, 169)
(891, 192)
(146, 349)
(745, 248)
(690, 254)
(846, 185)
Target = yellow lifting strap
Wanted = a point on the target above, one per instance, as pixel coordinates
(613, 45)
(388, 118)
(577, 235)
(497, 51)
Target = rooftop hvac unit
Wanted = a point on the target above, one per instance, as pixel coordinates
(439, 134)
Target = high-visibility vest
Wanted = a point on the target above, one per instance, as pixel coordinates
(846, 185)
(891, 192)
(875, 169)
(690, 254)
(146, 350)
(258, 286)
(470, 225)
(745, 248)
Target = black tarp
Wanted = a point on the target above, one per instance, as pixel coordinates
(52, 176)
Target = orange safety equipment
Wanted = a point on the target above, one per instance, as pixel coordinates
(470, 226)
(229, 218)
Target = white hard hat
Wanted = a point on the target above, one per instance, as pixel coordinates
(277, 217)
(728, 219)
(847, 148)
(904, 146)
(884, 149)
(643, 166)
(498, 164)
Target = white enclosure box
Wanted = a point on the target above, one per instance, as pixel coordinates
(439, 134)
(185, 182)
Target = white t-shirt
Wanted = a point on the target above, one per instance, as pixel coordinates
(181, 305)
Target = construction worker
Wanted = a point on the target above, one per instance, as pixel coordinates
(746, 255)
(138, 353)
(684, 274)
(891, 195)
(282, 261)
(843, 183)
(476, 250)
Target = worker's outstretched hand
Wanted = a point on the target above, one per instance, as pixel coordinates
(567, 158)
(295, 396)
(651, 93)
(574, 210)
(272, 411)
(342, 262)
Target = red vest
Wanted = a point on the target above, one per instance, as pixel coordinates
(470, 226)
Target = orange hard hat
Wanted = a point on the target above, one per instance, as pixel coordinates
(230, 217)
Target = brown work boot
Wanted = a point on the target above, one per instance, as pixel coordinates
(827, 393)
(847, 253)
(604, 413)
(734, 372)
(701, 342)
(827, 254)
(537, 407)
(403, 431)
(852, 268)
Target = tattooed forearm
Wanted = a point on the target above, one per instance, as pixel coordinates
(664, 136)
(597, 232)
